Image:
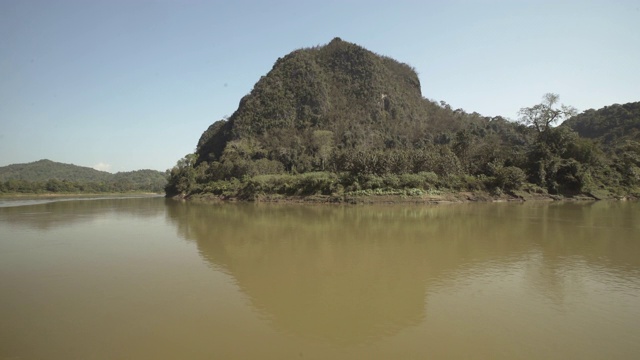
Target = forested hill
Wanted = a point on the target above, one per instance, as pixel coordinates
(337, 95)
(610, 125)
(50, 176)
(43, 170)
(340, 120)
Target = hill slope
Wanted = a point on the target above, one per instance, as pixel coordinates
(46, 175)
(43, 170)
(338, 95)
(610, 124)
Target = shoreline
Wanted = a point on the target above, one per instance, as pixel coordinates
(444, 198)
(26, 196)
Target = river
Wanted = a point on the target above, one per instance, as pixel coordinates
(150, 278)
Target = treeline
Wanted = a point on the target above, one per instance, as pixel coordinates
(45, 176)
(487, 154)
(55, 186)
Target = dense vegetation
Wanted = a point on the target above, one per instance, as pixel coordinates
(46, 176)
(611, 125)
(339, 119)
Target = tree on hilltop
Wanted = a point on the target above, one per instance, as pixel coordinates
(545, 114)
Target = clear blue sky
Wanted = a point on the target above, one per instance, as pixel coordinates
(126, 85)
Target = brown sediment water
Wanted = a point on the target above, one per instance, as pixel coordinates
(151, 278)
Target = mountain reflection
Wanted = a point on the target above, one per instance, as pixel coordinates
(353, 274)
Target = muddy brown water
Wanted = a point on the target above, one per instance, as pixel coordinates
(151, 278)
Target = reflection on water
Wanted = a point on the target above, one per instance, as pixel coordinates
(344, 274)
(541, 280)
(353, 275)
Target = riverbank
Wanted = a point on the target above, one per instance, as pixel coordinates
(426, 198)
(327, 187)
(12, 200)
(27, 196)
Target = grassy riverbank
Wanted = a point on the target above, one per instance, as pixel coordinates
(398, 199)
(324, 187)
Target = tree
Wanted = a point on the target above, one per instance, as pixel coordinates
(545, 114)
(322, 144)
(182, 177)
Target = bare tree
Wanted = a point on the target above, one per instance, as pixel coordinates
(545, 114)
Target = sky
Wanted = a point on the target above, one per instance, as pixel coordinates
(125, 85)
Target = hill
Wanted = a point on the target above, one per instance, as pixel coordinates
(43, 170)
(609, 125)
(339, 119)
(339, 87)
(313, 100)
(49, 176)
(616, 131)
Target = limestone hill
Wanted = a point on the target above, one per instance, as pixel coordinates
(338, 95)
(339, 119)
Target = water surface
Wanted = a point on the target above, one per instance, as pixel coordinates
(156, 279)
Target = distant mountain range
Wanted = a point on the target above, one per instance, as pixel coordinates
(50, 176)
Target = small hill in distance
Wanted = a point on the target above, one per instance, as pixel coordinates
(43, 170)
(46, 176)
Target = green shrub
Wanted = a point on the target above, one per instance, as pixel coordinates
(510, 177)
(323, 183)
(412, 181)
(464, 182)
(391, 181)
(371, 181)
